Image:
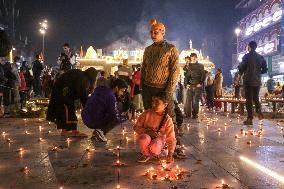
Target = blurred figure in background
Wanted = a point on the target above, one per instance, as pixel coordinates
(218, 86)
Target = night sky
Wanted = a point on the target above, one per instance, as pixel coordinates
(100, 22)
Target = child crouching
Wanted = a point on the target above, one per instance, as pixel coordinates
(155, 129)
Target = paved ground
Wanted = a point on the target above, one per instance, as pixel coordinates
(212, 155)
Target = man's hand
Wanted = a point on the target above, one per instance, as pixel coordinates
(198, 85)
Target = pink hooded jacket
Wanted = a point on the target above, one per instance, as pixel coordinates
(150, 119)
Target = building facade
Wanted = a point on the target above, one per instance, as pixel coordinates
(265, 26)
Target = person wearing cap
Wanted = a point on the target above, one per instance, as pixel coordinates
(101, 113)
(160, 68)
(251, 67)
(69, 87)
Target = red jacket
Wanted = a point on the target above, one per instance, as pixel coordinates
(136, 80)
(23, 86)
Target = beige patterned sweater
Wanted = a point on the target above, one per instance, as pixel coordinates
(160, 67)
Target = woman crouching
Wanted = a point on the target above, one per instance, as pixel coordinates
(155, 129)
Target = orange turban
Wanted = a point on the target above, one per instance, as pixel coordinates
(155, 25)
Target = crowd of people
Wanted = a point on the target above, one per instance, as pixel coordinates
(154, 88)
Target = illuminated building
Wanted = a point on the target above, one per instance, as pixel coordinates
(127, 48)
(263, 25)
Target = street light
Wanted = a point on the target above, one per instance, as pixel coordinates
(42, 30)
(237, 32)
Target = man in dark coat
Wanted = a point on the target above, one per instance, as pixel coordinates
(69, 87)
(37, 69)
(5, 48)
(252, 66)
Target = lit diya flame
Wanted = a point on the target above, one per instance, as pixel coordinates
(68, 140)
(25, 169)
(3, 133)
(249, 142)
(219, 129)
(54, 148)
(9, 140)
(118, 186)
(236, 136)
(224, 185)
(40, 139)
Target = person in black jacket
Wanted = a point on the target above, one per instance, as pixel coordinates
(69, 87)
(37, 69)
(5, 48)
(252, 66)
(194, 79)
(66, 60)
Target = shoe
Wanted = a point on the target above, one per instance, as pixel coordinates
(248, 122)
(143, 159)
(260, 116)
(99, 136)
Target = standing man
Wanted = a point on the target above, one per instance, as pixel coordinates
(194, 78)
(252, 66)
(66, 60)
(237, 85)
(160, 71)
(160, 68)
(5, 48)
(209, 88)
(125, 72)
(37, 69)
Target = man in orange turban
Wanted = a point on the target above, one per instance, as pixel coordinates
(160, 70)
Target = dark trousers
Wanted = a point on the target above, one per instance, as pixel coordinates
(8, 96)
(23, 98)
(252, 95)
(37, 86)
(192, 101)
(237, 91)
(149, 92)
(210, 96)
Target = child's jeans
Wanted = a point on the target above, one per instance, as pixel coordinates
(150, 147)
